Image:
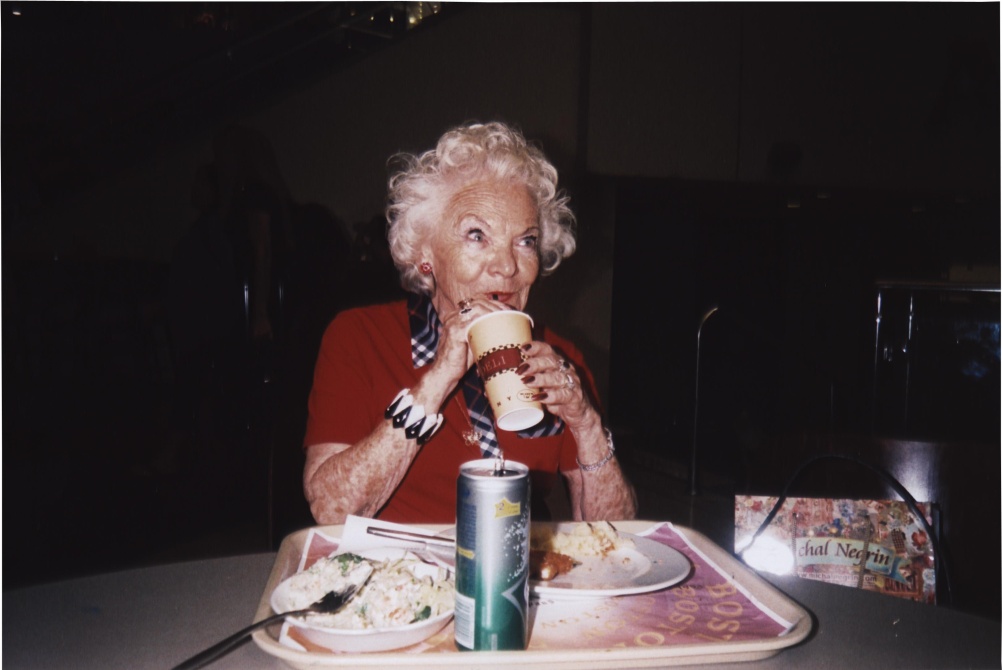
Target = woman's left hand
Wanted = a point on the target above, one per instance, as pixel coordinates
(556, 383)
(604, 492)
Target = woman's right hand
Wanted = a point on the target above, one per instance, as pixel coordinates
(454, 357)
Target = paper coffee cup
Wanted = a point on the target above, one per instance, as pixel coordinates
(496, 340)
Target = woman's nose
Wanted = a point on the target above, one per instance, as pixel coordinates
(504, 263)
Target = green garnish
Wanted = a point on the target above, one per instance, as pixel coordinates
(423, 614)
(345, 561)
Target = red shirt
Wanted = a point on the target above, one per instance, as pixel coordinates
(364, 361)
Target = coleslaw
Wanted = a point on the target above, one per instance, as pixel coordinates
(399, 591)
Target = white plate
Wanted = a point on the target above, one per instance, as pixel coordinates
(649, 566)
(372, 639)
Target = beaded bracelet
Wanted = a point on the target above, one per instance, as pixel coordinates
(412, 417)
(608, 457)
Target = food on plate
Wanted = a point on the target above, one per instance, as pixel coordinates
(399, 591)
(585, 540)
(546, 565)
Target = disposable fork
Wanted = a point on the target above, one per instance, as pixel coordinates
(329, 604)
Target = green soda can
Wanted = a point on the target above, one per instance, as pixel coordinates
(492, 555)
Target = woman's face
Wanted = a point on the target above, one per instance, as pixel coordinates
(486, 244)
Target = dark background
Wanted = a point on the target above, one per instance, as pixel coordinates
(783, 163)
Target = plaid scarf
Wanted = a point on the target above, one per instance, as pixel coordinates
(425, 326)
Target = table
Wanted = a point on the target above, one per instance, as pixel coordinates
(156, 617)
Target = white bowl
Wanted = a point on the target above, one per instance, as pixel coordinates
(371, 639)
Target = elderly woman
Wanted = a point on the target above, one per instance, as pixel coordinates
(472, 224)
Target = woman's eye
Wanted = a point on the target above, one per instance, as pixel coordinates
(476, 235)
(530, 241)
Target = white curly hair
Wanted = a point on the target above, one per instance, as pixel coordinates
(423, 184)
